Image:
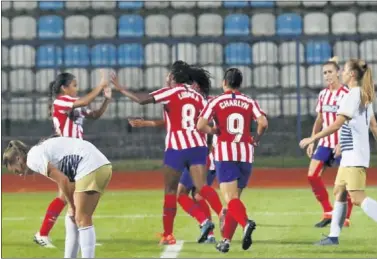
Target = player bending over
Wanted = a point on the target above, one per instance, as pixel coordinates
(81, 172)
(353, 119)
(233, 112)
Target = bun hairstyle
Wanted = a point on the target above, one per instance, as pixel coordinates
(363, 75)
(333, 61)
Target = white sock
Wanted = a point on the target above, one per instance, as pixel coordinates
(87, 241)
(369, 206)
(338, 217)
(71, 239)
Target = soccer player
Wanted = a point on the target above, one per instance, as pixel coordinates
(68, 115)
(80, 170)
(185, 146)
(324, 155)
(353, 120)
(233, 113)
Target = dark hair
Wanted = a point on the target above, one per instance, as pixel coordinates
(203, 78)
(62, 80)
(180, 71)
(233, 78)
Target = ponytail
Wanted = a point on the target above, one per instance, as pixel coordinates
(367, 87)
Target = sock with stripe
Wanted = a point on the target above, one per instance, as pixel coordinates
(213, 199)
(191, 208)
(52, 214)
(369, 206)
(170, 210)
(71, 247)
(238, 211)
(87, 240)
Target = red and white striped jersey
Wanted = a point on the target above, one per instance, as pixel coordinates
(68, 122)
(233, 113)
(182, 106)
(327, 105)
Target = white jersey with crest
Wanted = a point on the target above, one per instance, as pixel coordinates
(354, 134)
(76, 158)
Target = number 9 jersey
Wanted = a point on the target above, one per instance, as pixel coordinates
(232, 113)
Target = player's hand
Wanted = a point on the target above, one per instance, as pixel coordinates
(305, 142)
(337, 152)
(107, 92)
(310, 150)
(255, 142)
(103, 81)
(137, 123)
(71, 213)
(115, 82)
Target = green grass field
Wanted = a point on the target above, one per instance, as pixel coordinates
(127, 222)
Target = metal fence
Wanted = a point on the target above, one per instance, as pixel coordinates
(287, 89)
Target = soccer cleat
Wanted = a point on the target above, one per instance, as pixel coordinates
(248, 231)
(207, 227)
(347, 223)
(328, 241)
(43, 241)
(168, 240)
(223, 246)
(324, 222)
(210, 240)
(222, 219)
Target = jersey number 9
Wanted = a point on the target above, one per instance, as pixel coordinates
(236, 126)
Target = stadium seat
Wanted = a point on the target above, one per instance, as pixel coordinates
(266, 77)
(157, 54)
(247, 75)
(104, 26)
(43, 78)
(238, 54)
(21, 80)
(316, 23)
(346, 50)
(23, 27)
(128, 109)
(290, 105)
(6, 5)
(311, 3)
(110, 113)
(21, 108)
(130, 4)
(22, 56)
(95, 74)
(156, 4)
(338, 2)
(262, 4)
(49, 56)
(236, 25)
(263, 24)
(157, 26)
(368, 50)
(130, 55)
(77, 26)
(132, 76)
(4, 28)
(235, 4)
(104, 55)
(209, 4)
(363, 3)
(184, 51)
(77, 5)
(103, 5)
(155, 77)
(42, 108)
(4, 56)
(50, 27)
(314, 75)
(76, 55)
(210, 24)
(289, 76)
(289, 24)
(154, 111)
(51, 5)
(23, 5)
(130, 26)
(285, 3)
(265, 53)
(217, 74)
(183, 4)
(343, 23)
(4, 83)
(183, 25)
(82, 78)
(270, 103)
(367, 22)
(287, 52)
(210, 53)
(317, 52)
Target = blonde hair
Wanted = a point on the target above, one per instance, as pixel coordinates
(333, 61)
(15, 148)
(365, 80)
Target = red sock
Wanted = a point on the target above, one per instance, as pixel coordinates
(230, 226)
(320, 192)
(204, 207)
(349, 206)
(238, 211)
(52, 214)
(211, 196)
(191, 208)
(170, 210)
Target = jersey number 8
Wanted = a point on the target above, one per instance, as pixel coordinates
(236, 125)
(188, 117)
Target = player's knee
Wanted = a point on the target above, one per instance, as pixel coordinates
(83, 220)
(357, 197)
(62, 197)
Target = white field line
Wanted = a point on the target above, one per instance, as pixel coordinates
(172, 251)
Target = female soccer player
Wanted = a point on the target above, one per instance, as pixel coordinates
(68, 116)
(233, 112)
(185, 146)
(324, 155)
(81, 172)
(353, 120)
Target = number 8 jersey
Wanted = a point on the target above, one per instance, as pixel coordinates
(232, 113)
(182, 106)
